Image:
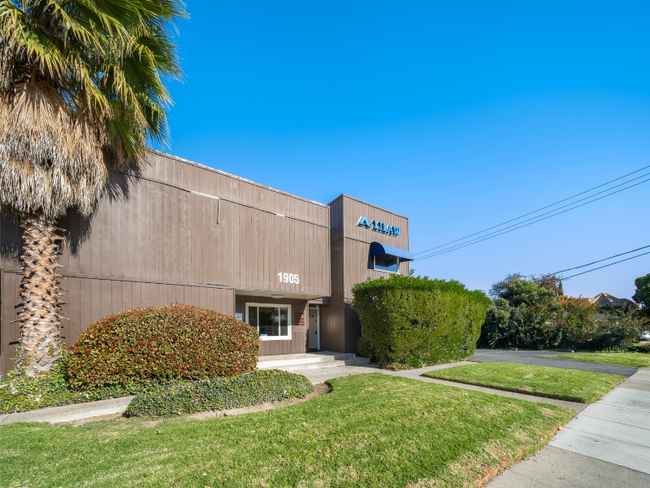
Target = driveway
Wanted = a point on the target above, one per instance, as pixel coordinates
(541, 358)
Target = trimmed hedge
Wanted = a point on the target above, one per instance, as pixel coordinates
(416, 321)
(177, 341)
(221, 393)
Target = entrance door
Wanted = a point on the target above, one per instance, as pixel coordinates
(314, 319)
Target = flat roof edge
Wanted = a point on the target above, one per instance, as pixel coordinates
(202, 166)
(343, 195)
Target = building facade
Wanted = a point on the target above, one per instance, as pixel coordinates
(180, 232)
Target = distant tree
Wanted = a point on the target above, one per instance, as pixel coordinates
(523, 315)
(500, 287)
(642, 293)
(549, 282)
(546, 281)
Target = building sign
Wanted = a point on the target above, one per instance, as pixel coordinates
(377, 226)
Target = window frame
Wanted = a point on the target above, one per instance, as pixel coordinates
(271, 305)
(374, 264)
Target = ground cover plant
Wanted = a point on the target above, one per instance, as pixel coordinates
(633, 359)
(563, 384)
(220, 393)
(410, 322)
(52, 389)
(370, 430)
(158, 397)
(177, 341)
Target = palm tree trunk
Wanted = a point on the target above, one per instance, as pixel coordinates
(40, 323)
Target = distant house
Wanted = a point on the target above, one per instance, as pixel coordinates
(605, 300)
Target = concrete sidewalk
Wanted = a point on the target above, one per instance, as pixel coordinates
(607, 444)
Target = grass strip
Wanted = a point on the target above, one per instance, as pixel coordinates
(563, 384)
(633, 359)
(371, 430)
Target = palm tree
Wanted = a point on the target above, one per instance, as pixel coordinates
(81, 87)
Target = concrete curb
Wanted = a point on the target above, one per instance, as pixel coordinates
(69, 413)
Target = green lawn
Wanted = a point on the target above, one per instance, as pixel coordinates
(564, 384)
(634, 359)
(371, 430)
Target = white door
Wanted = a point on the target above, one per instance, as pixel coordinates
(313, 328)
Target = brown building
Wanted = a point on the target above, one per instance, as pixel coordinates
(182, 232)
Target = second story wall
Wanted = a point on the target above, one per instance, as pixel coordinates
(351, 260)
(182, 223)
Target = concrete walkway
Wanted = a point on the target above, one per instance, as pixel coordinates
(607, 444)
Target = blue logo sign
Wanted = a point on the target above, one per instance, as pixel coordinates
(377, 226)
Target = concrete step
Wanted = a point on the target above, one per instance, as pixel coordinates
(324, 359)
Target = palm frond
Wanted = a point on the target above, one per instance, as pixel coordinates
(80, 79)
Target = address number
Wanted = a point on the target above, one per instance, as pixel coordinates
(289, 278)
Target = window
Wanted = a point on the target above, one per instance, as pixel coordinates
(386, 262)
(273, 322)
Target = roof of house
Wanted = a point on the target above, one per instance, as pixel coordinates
(608, 301)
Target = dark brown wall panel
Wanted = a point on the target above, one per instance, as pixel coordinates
(88, 300)
(9, 327)
(336, 219)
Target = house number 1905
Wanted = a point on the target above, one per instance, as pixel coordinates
(289, 278)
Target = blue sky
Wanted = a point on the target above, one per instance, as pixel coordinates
(459, 115)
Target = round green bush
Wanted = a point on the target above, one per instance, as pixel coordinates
(177, 341)
(415, 321)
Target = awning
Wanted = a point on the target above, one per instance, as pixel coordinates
(377, 249)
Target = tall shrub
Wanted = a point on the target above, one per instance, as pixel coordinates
(177, 341)
(416, 322)
(523, 316)
(528, 315)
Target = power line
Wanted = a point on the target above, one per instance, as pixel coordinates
(601, 260)
(543, 208)
(605, 266)
(535, 220)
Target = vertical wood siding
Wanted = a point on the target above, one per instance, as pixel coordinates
(86, 300)
(177, 232)
(351, 264)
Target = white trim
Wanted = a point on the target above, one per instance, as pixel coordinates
(271, 305)
(374, 266)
